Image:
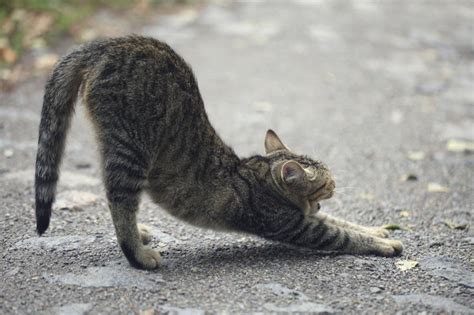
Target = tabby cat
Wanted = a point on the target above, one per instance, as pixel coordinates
(155, 136)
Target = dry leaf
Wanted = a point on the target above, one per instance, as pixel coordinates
(36, 25)
(460, 146)
(75, 200)
(367, 196)
(8, 55)
(404, 265)
(405, 213)
(455, 226)
(409, 177)
(391, 227)
(416, 155)
(263, 107)
(88, 35)
(434, 187)
(148, 311)
(46, 61)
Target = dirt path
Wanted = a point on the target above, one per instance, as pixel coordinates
(378, 90)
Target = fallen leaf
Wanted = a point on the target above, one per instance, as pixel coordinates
(391, 227)
(409, 177)
(367, 196)
(455, 226)
(148, 311)
(404, 265)
(416, 155)
(75, 200)
(263, 107)
(435, 187)
(35, 25)
(405, 213)
(45, 62)
(88, 35)
(8, 55)
(460, 146)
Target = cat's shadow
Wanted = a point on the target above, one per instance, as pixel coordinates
(213, 259)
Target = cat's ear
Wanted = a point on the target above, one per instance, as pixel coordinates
(273, 142)
(292, 172)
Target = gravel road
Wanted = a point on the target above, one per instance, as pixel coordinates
(382, 91)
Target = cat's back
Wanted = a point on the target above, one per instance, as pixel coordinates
(138, 81)
(135, 72)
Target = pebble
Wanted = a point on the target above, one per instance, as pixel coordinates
(8, 153)
(375, 289)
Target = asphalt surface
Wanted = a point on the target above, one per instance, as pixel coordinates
(376, 89)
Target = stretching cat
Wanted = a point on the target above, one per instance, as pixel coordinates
(155, 136)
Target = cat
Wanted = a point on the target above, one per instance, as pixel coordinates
(154, 136)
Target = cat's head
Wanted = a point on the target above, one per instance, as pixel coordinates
(298, 178)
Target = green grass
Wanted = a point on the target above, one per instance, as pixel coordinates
(65, 13)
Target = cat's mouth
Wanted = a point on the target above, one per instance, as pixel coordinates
(326, 191)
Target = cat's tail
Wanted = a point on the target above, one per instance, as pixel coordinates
(58, 106)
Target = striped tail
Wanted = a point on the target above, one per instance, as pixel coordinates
(58, 105)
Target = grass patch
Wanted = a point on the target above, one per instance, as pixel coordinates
(23, 21)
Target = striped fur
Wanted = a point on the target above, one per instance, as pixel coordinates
(155, 136)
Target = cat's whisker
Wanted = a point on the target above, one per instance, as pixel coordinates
(345, 188)
(341, 193)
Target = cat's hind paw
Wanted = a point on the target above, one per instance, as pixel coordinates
(145, 233)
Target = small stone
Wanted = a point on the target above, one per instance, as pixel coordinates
(416, 155)
(436, 243)
(83, 165)
(375, 290)
(409, 177)
(8, 153)
(469, 240)
(455, 226)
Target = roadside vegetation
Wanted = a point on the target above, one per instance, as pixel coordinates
(36, 24)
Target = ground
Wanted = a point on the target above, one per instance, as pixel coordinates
(379, 90)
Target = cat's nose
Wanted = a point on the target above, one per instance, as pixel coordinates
(331, 184)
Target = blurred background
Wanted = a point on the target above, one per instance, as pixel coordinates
(34, 25)
(380, 90)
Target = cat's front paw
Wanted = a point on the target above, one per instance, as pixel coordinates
(148, 259)
(388, 248)
(378, 231)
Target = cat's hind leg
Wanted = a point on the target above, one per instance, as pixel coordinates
(124, 183)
